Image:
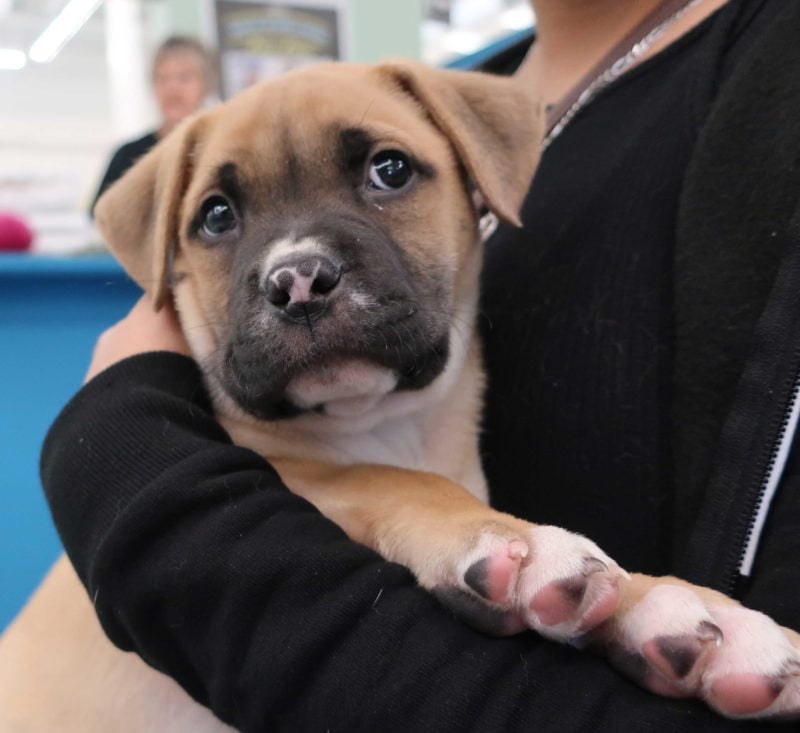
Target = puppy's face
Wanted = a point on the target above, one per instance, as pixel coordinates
(324, 232)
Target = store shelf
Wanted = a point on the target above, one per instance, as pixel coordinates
(48, 266)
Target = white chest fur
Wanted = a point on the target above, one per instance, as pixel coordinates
(433, 429)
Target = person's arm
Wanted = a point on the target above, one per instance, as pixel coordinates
(197, 558)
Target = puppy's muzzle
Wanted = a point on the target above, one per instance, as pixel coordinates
(299, 287)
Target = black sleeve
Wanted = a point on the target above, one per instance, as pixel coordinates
(199, 559)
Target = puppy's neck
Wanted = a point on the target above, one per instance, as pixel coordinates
(430, 429)
(433, 429)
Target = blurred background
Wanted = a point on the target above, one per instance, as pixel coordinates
(75, 76)
(78, 80)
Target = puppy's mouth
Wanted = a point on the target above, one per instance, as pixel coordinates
(270, 384)
(342, 387)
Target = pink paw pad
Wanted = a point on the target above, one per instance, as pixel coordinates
(588, 599)
(495, 577)
(745, 694)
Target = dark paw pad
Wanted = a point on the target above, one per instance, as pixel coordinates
(676, 656)
(477, 577)
(679, 653)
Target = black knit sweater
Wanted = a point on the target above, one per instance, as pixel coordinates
(122, 159)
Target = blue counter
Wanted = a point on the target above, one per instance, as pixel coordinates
(51, 311)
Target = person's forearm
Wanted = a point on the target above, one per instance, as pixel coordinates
(202, 562)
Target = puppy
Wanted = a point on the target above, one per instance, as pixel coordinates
(321, 237)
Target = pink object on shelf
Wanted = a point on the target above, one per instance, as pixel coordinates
(15, 234)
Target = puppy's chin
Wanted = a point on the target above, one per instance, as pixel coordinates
(339, 387)
(268, 382)
(347, 387)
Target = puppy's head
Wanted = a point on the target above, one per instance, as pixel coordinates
(319, 231)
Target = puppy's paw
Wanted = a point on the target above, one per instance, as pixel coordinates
(543, 578)
(739, 661)
(569, 586)
(755, 671)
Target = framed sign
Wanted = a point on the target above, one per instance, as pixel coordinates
(258, 39)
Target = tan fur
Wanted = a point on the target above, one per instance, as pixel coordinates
(379, 506)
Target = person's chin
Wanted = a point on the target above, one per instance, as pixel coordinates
(173, 115)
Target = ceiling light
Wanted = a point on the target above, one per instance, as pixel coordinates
(63, 27)
(11, 59)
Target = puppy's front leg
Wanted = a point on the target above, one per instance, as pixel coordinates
(503, 575)
(497, 572)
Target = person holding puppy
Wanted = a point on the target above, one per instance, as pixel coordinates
(183, 77)
(642, 354)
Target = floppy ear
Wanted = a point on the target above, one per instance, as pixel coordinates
(138, 215)
(494, 124)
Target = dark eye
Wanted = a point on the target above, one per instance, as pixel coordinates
(389, 170)
(217, 217)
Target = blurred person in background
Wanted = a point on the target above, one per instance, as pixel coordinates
(183, 76)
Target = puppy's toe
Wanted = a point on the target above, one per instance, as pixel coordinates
(494, 576)
(569, 586)
(787, 704)
(480, 588)
(739, 661)
(742, 695)
(581, 601)
(542, 578)
(663, 640)
(675, 656)
(756, 671)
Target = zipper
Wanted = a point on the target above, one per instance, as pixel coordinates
(777, 458)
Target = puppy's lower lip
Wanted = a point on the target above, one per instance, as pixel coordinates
(340, 380)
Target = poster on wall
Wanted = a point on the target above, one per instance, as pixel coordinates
(262, 39)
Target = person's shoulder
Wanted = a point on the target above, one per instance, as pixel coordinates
(742, 32)
(137, 147)
(751, 20)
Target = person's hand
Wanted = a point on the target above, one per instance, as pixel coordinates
(140, 331)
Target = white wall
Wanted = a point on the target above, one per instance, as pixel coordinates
(57, 132)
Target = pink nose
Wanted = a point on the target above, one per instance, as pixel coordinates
(300, 286)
